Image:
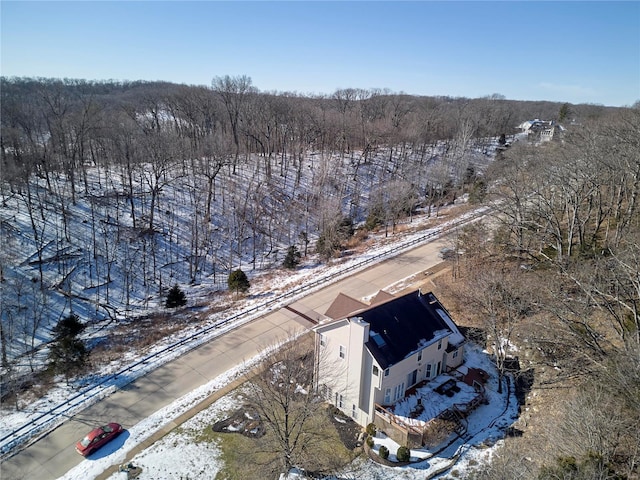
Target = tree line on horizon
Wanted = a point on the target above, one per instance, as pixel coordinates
(153, 184)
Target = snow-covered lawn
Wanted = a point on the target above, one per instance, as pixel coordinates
(177, 456)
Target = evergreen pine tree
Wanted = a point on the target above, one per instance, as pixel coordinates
(238, 282)
(176, 297)
(292, 260)
(565, 111)
(67, 353)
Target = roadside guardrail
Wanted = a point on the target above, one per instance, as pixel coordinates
(53, 417)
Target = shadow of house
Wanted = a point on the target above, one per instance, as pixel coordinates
(474, 334)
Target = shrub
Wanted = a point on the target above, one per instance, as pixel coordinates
(370, 442)
(374, 219)
(326, 247)
(383, 452)
(335, 232)
(478, 192)
(403, 454)
(371, 429)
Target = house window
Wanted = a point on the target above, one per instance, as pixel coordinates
(343, 351)
(326, 392)
(412, 378)
(375, 370)
(341, 401)
(386, 372)
(428, 374)
(323, 340)
(439, 344)
(420, 356)
(387, 396)
(354, 412)
(398, 392)
(455, 354)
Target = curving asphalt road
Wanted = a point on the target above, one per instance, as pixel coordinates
(54, 455)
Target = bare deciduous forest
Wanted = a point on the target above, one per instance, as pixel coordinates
(552, 284)
(112, 193)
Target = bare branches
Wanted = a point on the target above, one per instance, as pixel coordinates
(284, 396)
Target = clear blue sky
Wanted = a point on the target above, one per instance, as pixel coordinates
(578, 52)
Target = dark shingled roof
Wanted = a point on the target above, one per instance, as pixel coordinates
(401, 325)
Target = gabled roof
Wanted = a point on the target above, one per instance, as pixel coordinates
(403, 325)
(343, 306)
(381, 297)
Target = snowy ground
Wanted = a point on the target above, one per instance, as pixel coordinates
(178, 456)
(486, 429)
(263, 288)
(191, 456)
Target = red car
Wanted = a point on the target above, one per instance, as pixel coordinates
(97, 438)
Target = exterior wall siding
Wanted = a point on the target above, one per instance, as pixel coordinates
(342, 365)
(455, 358)
(399, 372)
(346, 367)
(331, 367)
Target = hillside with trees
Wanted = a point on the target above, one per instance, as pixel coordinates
(115, 195)
(112, 193)
(551, 282)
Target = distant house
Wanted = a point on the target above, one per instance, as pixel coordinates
(541, 130)
(368, 355)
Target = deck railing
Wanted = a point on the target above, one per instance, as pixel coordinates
(412, 435)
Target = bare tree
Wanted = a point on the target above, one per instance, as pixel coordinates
(345, 100)
(284, 396)
(233, 91)
(510, 196)
(501, 298)
(215, 154)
